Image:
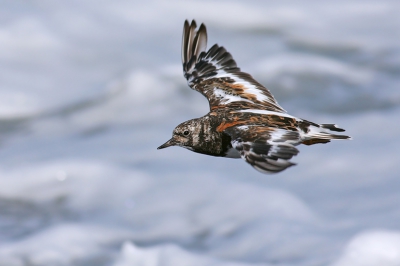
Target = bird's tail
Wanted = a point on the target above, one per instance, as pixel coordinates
(315, 133)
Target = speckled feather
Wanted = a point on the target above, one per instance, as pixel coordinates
(244, 120)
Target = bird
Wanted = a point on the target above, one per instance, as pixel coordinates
(245, 121)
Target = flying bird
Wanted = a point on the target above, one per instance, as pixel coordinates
(245, 121)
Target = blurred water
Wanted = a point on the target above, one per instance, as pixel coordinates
(88, 90)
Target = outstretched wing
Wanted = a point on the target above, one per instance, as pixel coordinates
(267, 149)
(215, 75)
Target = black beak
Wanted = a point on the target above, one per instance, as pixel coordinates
(167, 144)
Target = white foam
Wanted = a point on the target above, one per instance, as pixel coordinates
(296, 63)
(372, 248)
(168, 255)
(62, 245)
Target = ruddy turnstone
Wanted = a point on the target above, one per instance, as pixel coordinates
(245, 121)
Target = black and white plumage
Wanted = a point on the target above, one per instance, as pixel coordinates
(244, 120)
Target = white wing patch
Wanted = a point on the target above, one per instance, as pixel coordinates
(249, 88)
(267, 112)
(227, 98)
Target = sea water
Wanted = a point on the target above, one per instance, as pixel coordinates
(89, 90)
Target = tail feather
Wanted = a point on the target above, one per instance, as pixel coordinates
(332, 127)
(315, 133)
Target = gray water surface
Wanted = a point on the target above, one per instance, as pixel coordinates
(89, 90)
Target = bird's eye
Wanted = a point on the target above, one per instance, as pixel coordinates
(185, 132)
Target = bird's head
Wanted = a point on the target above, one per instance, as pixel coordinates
(185, 135)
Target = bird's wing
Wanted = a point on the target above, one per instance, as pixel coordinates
(267, 149)
(214, 74)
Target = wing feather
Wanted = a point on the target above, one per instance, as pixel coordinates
(185, 40)
(268, 150)
(214, 73)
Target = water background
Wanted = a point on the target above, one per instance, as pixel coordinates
(89, 90)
